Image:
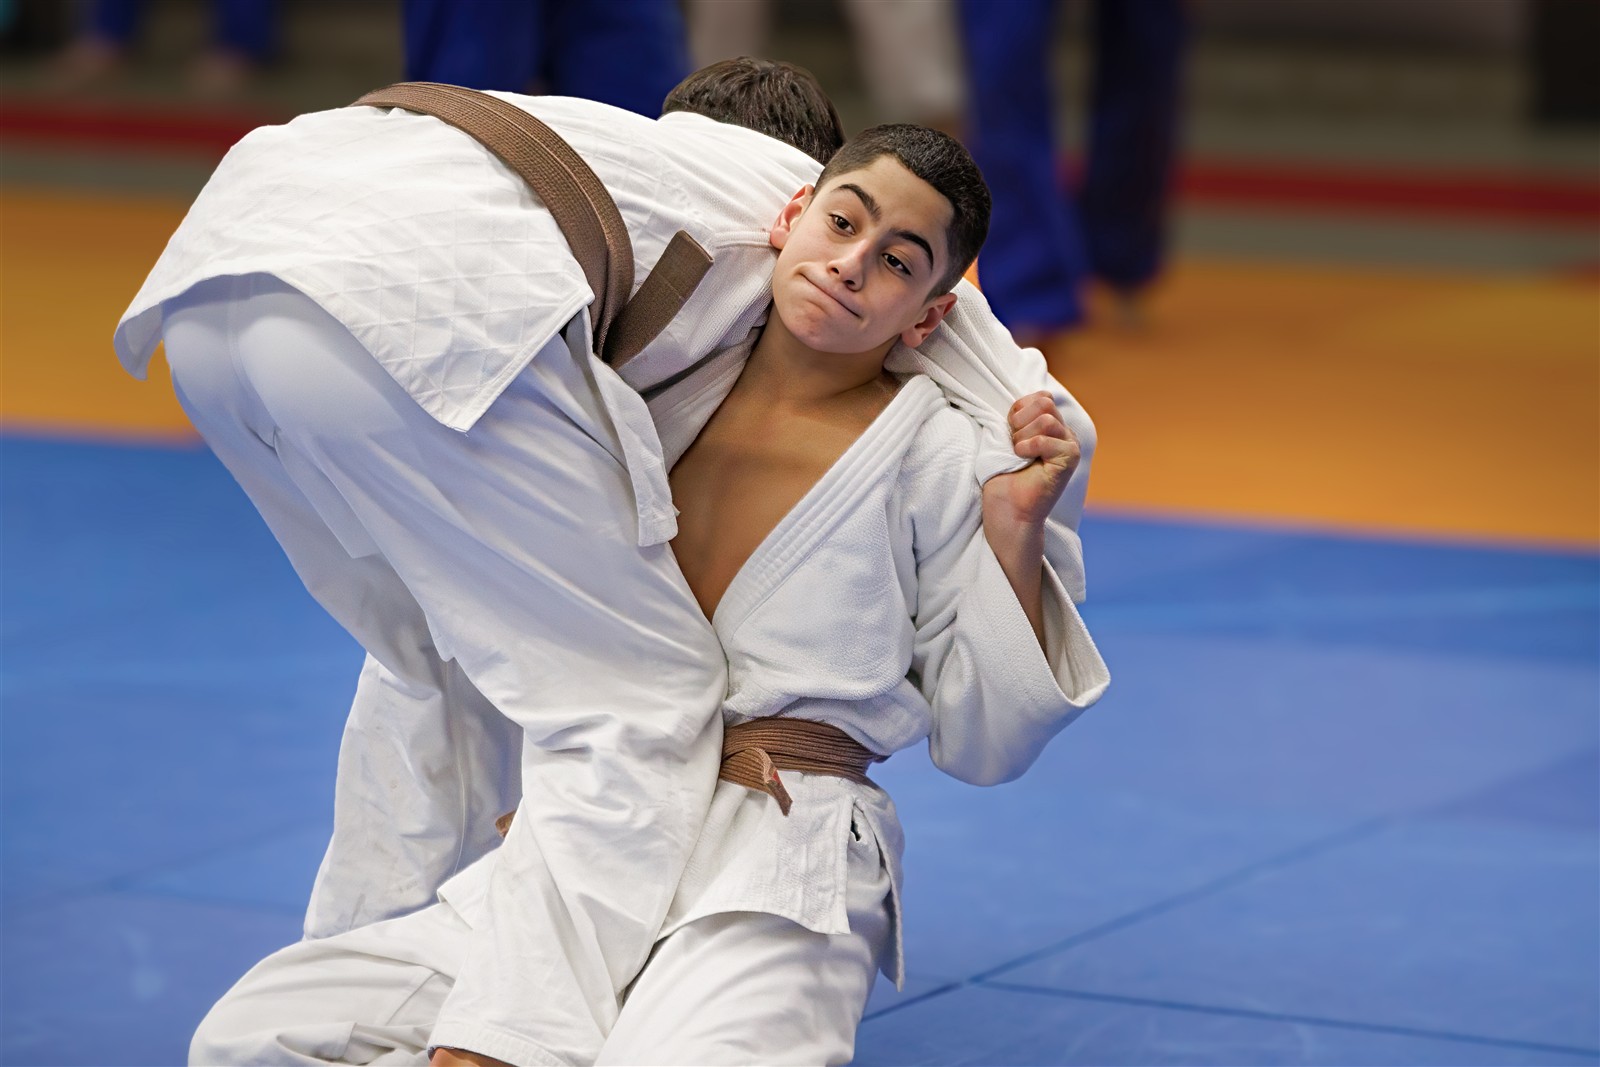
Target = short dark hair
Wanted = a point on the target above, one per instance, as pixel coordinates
(942, 162)
(781, 100)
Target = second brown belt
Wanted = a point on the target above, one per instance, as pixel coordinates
(754, 752)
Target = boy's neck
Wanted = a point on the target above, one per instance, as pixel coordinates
(791, 374)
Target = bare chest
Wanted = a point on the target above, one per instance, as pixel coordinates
(739, 480)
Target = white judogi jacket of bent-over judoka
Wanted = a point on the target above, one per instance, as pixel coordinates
(441, 264)
(438, 258)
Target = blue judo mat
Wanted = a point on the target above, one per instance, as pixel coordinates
(1341, 805)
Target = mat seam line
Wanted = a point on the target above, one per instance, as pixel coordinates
(1365, 828)
(1311, 1020)
(121, 883)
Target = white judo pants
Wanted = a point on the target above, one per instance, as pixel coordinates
(735, 988)
(495, 580)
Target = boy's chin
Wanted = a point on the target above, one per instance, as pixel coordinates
(847, 348)
(816, 339)
(834, 344)
(819, 336)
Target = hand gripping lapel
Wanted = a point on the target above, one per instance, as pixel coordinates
(580, 206)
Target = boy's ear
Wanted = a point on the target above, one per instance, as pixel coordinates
(932, 316)
(778, 235)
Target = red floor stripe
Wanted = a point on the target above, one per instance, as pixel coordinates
(1507, 197)
(96, 126)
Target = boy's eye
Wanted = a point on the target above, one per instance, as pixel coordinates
(895, 263)
(840, 223)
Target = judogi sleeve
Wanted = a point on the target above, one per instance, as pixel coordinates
(997, 696)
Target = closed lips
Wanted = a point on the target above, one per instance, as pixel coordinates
(827, 293)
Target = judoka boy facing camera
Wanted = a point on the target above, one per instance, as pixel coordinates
(833, 530)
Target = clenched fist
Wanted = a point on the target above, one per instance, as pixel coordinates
(1037, 433)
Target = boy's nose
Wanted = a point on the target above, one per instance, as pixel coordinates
(848, 266)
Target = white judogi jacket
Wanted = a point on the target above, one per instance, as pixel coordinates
(876, 605)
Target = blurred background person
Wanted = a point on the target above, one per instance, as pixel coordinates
(1051, 233)
(628, 53)
(905, 49)
(244, 36)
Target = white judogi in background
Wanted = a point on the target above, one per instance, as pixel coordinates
(875, 605)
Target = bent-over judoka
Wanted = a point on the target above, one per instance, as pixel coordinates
(380, 331)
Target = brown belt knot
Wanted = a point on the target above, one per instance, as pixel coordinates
(753, 752)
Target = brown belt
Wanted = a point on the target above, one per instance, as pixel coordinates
(580, 206)
(754, 752)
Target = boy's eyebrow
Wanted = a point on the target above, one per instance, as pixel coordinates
(870, 202)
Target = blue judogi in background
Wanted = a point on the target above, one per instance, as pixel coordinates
(1046, 240)
(247, 27)
(629, 53)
